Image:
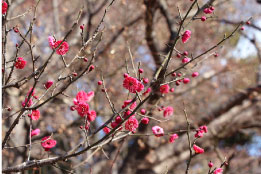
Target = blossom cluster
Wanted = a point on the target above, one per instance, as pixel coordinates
(63, 48)
(81, 105)
(201, 131)
(132, 84)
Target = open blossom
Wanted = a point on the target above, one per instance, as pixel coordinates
(186, 36)
(20, 63)
(157, 131)
(81, 105)
(164, 89)
(218, 171)
(82, 108)
(168, 111)
(132, 124)
(198, 149)
(91, 115)
(82, 96)
(132, 84)
(35, 132)
(48, 143)
(63, 48)
(173, 137)
(4, 7)
(51, 41)
(35, 115)
(140, 87)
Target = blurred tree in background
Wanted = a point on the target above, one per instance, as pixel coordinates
(122, 36)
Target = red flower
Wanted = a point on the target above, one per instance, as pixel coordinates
(201, 131)
(30, 92)
(173, 137)
(80, 103)
(208, 11)
(125, 75)
(4, 7)
(204, 129)
(168, 111)
(185, 60)
(198, 149)
(114, 124)
(199, 134)
(157, 131)
(203, 18)
(147, 91)
(145, 120)
(140, 87)
(218, 171)
(127, 113)
(63, 48)
(51, 41)
(82, 108)
(28, 104)
(186, 80)
(194, 74)
(143, 111)
(83, 97)
(118, 119)
(35, 132)
(132, 124)
(35, 115)
(145, 80)
(48, 84)
(20, 63)
(210, 164)
(127, 102)
(100, 82)
(91, 68)
(91, 115)
(164, 89)
(106, 130)
(131, 84)
(48, 143)
(186, 36)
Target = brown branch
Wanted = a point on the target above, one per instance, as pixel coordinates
(226, 21)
